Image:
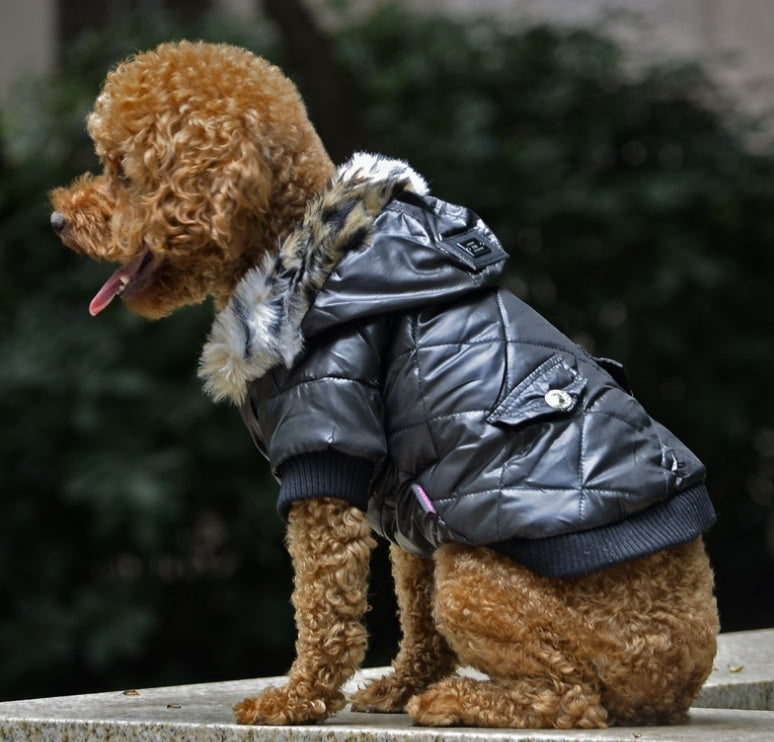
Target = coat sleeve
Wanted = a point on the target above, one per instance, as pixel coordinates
(321, 423)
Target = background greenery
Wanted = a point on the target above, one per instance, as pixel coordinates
(138, 541)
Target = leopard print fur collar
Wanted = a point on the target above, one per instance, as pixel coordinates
(261, 325)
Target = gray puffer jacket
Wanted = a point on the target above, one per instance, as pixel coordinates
(376, 359)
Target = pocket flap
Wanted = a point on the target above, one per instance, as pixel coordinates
(552, 389)
(616, 371)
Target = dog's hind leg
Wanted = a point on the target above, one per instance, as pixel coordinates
(629, 644)
(330, 545)
(497, 619)
(424, 656)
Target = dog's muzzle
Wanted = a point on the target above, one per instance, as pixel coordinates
(58, 222)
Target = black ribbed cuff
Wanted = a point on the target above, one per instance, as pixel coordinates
(324, 474)
(675, 521)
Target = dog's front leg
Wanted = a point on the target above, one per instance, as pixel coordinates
(330, 544)
(424, 655)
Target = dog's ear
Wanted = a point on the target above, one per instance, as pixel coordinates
(240, 190)
(211, 198)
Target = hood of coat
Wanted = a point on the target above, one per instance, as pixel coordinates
(261, 325)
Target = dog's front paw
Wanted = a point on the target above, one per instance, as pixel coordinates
(280, 706)
(387, 695)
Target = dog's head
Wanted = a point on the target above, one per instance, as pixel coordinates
(209, 158)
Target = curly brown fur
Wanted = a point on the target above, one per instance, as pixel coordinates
(209, 159)
(424, 655)
(209, 162)
(631, 644)
(330, 544)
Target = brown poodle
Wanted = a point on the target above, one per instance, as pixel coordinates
(210, 162)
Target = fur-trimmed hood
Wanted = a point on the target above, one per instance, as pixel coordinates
(261, 325)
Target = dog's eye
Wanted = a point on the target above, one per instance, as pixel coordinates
(121, 176)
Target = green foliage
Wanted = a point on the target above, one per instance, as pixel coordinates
(138, 541)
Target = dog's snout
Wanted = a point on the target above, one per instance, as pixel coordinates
(58, 221)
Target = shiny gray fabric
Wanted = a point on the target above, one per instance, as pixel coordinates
(484, 423)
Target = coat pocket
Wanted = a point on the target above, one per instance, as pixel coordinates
(552, 389)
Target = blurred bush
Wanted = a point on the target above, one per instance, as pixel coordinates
(138, 541)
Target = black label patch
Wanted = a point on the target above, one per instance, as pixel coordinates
(475, 247)
(472, 249)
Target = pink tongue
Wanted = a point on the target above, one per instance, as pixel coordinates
(114, 284)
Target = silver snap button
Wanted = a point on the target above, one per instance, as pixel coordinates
(558, 399)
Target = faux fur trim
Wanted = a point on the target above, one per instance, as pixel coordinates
(261, 325)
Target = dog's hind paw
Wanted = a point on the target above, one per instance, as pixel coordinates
(520, 704)
(283, 706)
(387, 695)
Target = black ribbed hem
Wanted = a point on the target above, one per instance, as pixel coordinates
(678, 520)
(324, 474)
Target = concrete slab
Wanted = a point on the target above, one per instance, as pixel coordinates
(203, 712)
(743, 674)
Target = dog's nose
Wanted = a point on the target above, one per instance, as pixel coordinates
(58, 222)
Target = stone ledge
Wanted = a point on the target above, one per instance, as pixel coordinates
(704, 724)
(743, 675)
